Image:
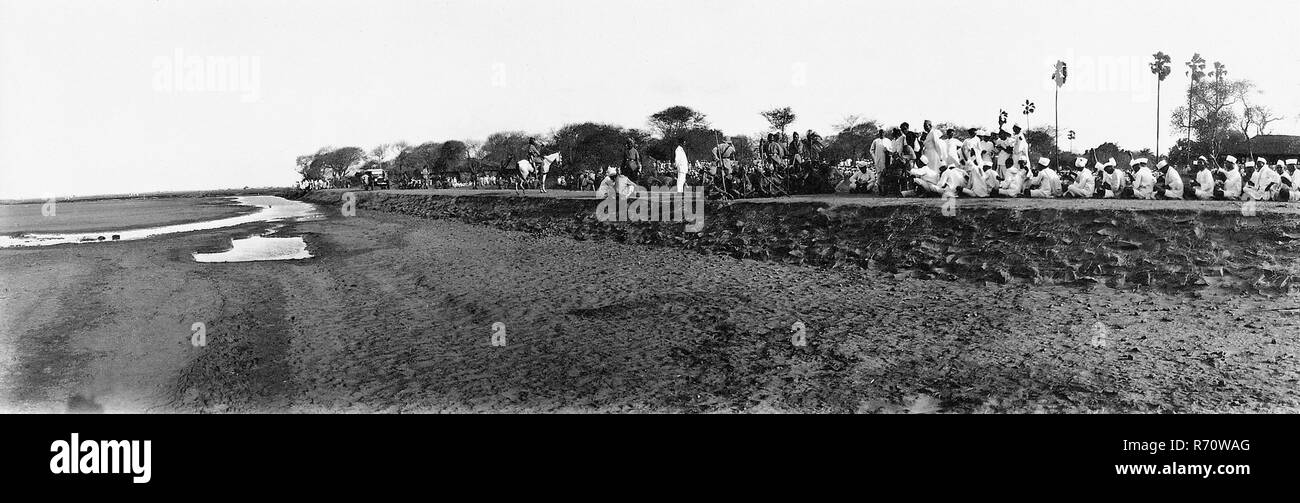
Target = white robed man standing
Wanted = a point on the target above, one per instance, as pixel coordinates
(683, 165)
(954, 148)
(880, 148)
(934, 147)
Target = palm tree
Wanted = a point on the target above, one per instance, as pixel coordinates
(1027, 108)
(1196, 70)
(1159, 67)
(1059, 77)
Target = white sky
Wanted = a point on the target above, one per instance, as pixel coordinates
(85, 106)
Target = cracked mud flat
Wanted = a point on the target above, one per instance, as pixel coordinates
(394, 315)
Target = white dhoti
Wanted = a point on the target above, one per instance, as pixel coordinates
(927, 185)
(1255, 194)
(1205, 194)
(681, 180)
(1041, 193)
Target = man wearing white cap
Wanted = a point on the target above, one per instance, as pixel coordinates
(970, 150)
(1045, 183)
(1144, 181)
(1084, 184)
(925, 177)
(1022, 144)
(1111, 181)
(982, 181)
(953, 146)
(1204, 184)
(987, 149)
(951, 181)
(1286, 182)
(1014, 183)
(1171, 181)
(1231, 180)
(1004, 145)
(933, 146)
(1262, 184)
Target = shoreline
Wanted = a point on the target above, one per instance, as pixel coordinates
(394, 312)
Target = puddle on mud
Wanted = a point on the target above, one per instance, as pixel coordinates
(273, 209)
(259, 248)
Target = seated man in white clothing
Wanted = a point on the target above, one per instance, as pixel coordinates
(1045, 183)
(982, 182)
(925, 177)
(1286, 182)
(1231, 180)
(1014, 184)
(1263, 183)
(1084, 181)
(1144, 181)
(951, 181)
(1170, 182)
(1203, 186)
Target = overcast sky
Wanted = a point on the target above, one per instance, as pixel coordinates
(92, 100)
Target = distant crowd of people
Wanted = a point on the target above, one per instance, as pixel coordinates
(998, 165)
(907, 163)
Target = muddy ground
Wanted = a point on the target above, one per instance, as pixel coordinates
(396, 314)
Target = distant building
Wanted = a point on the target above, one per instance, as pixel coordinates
(1269, 146)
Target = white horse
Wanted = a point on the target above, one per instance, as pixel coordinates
(526, 168)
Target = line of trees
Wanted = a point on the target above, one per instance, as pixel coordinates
(1220, 113)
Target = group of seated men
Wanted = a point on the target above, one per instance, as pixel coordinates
(1107, 180)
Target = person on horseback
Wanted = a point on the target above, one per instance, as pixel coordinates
(534, 156)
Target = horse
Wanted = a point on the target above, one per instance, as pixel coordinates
(518, 172)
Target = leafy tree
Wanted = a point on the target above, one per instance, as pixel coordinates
(853, 142)
(699, 144)
(1213, 108)
(336, 164)
(415, 161)
(670, 121)
(591, 146)
(504, 146)
(310, 171)
(451, 158)
(779, 118)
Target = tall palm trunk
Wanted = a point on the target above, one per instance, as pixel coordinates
(1157, 119)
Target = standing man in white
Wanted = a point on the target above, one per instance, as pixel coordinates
(880, 148)
(679, 159)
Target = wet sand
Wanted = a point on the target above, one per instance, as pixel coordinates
(395, 314)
